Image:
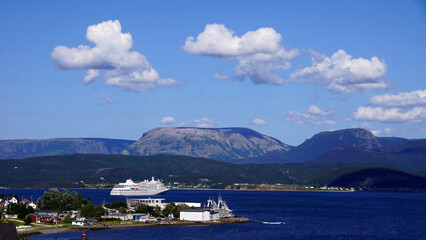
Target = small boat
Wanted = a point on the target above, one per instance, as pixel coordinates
(273, 222)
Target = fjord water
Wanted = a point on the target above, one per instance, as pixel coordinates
(307, 215)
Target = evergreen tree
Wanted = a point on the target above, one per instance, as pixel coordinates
(28, 220)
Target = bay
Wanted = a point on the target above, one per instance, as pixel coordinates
(307, 215)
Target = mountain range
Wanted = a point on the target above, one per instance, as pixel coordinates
(26, 148)
(240, 145)
(347, 157)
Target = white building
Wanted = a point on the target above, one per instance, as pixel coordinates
(196, 215)
(33, 205)
(153, 202)
(121, 216)
(189, 204)
(84, 222)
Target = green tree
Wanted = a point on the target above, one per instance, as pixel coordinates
(169, 209)
(157, 211)
(64, 201)
(51, 199)
(91, 211)
(144, 209)
(118, 204)
(28, 220)
(99, 211)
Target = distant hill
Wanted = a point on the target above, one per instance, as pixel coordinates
(380, 178)
(310, 148)
(342, 145)
(25, 148)
(391, 141)
(213, 143)
(410, 156)
(69, 170)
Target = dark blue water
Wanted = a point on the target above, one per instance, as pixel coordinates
(307, 215)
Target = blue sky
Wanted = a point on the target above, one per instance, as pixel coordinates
(288, 69)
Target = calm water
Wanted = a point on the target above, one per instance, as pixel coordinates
(307, 215)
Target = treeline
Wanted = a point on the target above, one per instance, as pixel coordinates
(66, 201)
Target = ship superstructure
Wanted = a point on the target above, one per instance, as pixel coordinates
(144, 188)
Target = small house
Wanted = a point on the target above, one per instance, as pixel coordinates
(38, 218)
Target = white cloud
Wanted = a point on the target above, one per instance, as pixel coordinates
(107, 99)
(343, 73)
(111, 56)
(381, 132)
(393, 115)
(259, 53)
(314, 115)
(203, 123)
(221, 77)
(168, 120)
(389, 131)
(375, 132)
(404, 99)
(319, 111)
(258, 121)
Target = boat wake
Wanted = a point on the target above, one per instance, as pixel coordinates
(273, 222)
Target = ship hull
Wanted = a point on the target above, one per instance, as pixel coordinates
(137, 193)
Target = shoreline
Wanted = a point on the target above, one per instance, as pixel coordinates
(61, 229)
(197, 189)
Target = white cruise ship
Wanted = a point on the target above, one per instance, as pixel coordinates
(145, 188)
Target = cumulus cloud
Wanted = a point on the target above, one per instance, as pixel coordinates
(379, 132)
(258, 121)
(106, 98)
(343, 73)
(392, 115)
(404, 107)
(168, 120)
(319, 111)
(112, 57)
(404, 99)
(203, 123)
(260, 54)
(314, 115)
(375, 132)
(389, 131)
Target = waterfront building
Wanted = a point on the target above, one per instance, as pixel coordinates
(84, 222)
(38, 218)
(195, 215)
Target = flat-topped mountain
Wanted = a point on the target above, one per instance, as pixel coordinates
(25, 148)
(214, 143)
